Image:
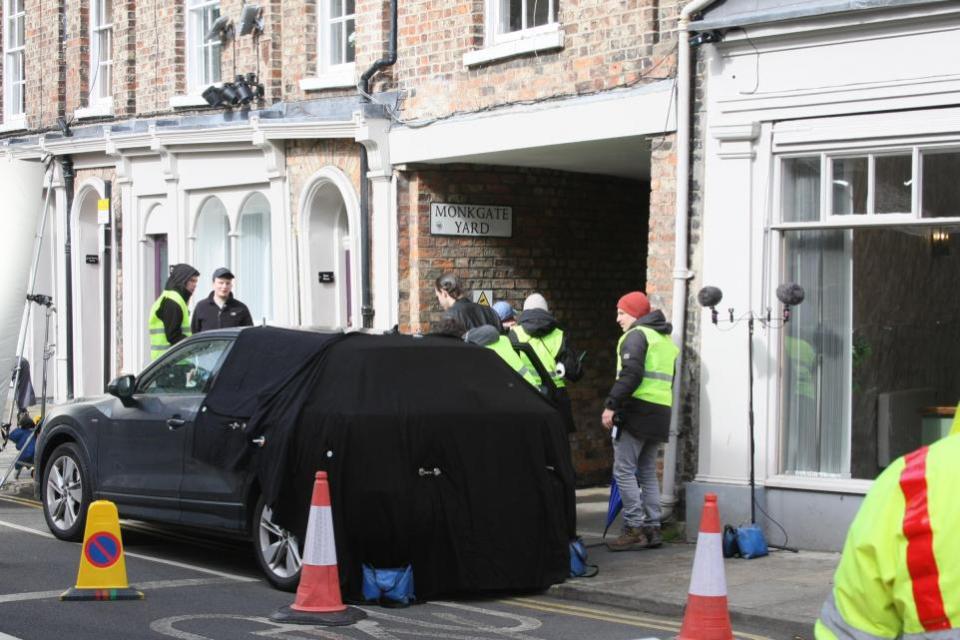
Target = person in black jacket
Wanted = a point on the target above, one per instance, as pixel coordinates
(220, 309)
(451, 297)
(168, 321)
(540, 329)
(637, 413)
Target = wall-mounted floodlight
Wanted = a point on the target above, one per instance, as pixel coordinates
(251, 20)
(221, 28)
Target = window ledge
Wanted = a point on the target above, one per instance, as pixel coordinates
(333, 80)
(543, 41)
(191, 100)
(14, 123)
(94, 111)
(853, 486)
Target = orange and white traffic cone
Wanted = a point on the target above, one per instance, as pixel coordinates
(318, 598)
(706, 616)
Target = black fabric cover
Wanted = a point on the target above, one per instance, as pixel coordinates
(438, 454)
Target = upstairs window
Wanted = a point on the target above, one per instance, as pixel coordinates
(336, 35)
(513, 17)
(14, 71)
(517, 27)
(101, 52)
(203, 54)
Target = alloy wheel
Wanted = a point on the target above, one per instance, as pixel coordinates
(278, 547)
(64, 492)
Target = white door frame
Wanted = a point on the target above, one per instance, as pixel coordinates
(329, 176)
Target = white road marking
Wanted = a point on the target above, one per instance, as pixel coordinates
(156, 584)
(4, 636)
(172, 563)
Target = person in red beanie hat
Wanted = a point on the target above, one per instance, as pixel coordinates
(637, 414)
(635, 304)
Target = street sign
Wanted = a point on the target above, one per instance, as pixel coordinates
(103, 211)
(487, 221)
(102, 549)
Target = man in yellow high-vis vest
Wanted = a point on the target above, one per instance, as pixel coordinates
(637, 413)
(898, 574)
(169, 318)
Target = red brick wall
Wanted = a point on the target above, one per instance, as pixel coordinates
(578, 239)
(608, 43)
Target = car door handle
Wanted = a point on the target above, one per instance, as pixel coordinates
(175, 423)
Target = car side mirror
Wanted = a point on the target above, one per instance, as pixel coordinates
(122, 388)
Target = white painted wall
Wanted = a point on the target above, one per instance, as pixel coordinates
(811, 73)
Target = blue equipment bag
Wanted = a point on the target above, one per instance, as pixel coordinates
(578, 561)
(388, 587)
(751, 541)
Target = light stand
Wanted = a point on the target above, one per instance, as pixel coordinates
(48, 351)
(790, 294)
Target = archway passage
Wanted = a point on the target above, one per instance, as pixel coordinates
(330, 278)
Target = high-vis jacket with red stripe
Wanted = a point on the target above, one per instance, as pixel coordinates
(899, 576)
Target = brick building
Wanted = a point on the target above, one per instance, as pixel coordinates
(317, 196)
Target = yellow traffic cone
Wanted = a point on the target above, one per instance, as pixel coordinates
(103, 573)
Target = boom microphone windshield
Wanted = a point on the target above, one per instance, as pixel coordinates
(790, 294)
(711, 296)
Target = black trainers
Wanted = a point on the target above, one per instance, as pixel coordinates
(654, 538)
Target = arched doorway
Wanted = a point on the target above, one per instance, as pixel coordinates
(88, 330)
(329, 247)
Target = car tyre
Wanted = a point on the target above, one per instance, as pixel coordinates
(66, 492)
(278, 551)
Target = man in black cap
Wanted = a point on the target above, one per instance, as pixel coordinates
(220, 309)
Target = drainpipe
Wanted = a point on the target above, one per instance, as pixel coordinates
(107, 272)
(681, 243)
(66, 167)
(366, 309)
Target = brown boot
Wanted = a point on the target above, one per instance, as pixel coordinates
(631, 538)
(654, 538)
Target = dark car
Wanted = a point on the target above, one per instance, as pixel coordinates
(134, 447)
(439, 455)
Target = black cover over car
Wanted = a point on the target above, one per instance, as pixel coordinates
(437, 453)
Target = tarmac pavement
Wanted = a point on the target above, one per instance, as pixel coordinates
(783, 590)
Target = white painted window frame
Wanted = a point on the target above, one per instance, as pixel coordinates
(101, 63)
(14, 110)
(202, 70)
(499, 45)
(331, 75)
(828, 220)
(870, 219)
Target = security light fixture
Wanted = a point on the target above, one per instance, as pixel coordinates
(251, 20)
(705, 37)
(229, 93)
(221, 28)
(242, 91)
(213, 96)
